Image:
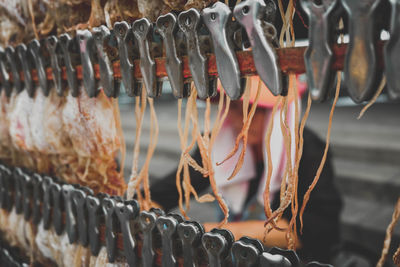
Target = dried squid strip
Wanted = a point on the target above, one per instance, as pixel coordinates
(389, 233)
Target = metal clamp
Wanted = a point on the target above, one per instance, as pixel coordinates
(94, 217)
(124, 38)
(167, 27)
(189, 23)
(267, 259)
(147, 223)
(108, 205)
(126, 213)
(167, 226)
(361, 72)
(71, 226)
(288, 254)
(246, 252)
(109, 84)
(86, 49)
(7, 188)
(67, 45)
(35, 48)
(190, 234)
(142, 29)
(17, 174)
(217, 243)
(52, 44)
(15, 68)
(249, 14)
(58, 208)
(27, 194)
(218, 18)
(37, 198)
(318, 57)
(26, 60)
(79, 200)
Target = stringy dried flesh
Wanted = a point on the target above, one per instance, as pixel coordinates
(389, 233)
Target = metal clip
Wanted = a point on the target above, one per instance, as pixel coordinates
(5, 76)
(26, 61)
(47, 202)
(67, 45)
(17, 173)
(86, 49)
(190, 234)
(110, 85)
(246, 252)
(35, 48)
(167, 225)
(392, 51)
(58, 208)
(218, 18)
(289, 254)
(108, 205)
(7, 188)
(94, 217)
(27, 191)
(71, 226)
(124, 38)
(37, 197)
(167, 27)
(56, 69)
(142, 29)
(267, 259)
(189, 23)
(79, 200)
(147, 223)
(319, 55)
(217, 243)
(126, 213)
(361, 73)
(249, 14)
(15, 68)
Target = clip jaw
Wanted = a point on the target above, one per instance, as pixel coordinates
(5, 76)
(15, 68)
(66, 44)
(52, 45)
(36, 49)
(249, 14)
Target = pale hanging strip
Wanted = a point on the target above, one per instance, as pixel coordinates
(120, 132)
(140, 107)
(143, 177)
(389, 233)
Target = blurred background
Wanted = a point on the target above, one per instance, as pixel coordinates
(366, 156)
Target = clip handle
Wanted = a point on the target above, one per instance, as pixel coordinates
(70, 213)
(66, 44)
(18, 190)
(318, 57)
(166, 27)
(249, 14)
(110, 85)
(189, 23)
(190, 234)
(167, 225)
(108, 205)
(217, 18)
(86, 43)
(36, 51)
(52, 44)
(142, 29)
(126, 212)
(246, 252)
(361, 73)
(79, 199)
(26, 62)
(57, 208)
(147, 222)
(15, 68)
(47, 202)
(37, 197)
(94, 215)
(122, 32)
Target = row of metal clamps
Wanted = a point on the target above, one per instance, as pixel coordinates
(363, 62)
(140, 237)
(250, 27)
